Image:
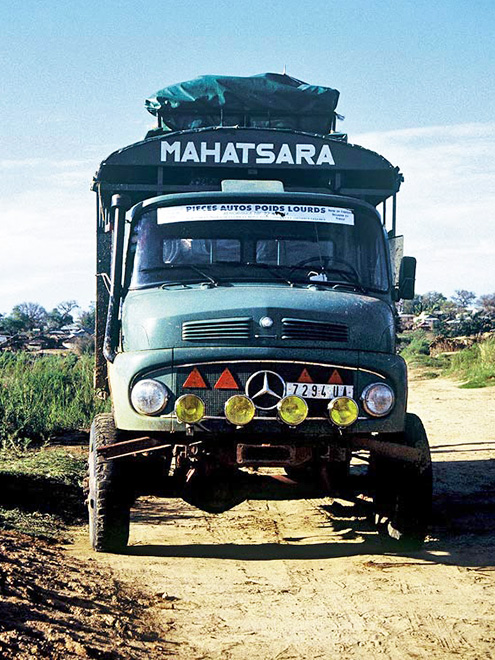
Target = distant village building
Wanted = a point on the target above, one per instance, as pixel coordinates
(425, 321)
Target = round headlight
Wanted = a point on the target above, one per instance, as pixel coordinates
(378, 399)
(343, 411)
(292, 410)
(189, 408)
(239, 410)
(149, 397)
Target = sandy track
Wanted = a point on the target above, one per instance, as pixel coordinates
(309, 579)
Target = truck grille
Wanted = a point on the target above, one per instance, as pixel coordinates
(240, 372)
(302, 329)
(236, 328)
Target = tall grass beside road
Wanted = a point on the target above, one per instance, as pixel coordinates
(44, 395)
(474, 365)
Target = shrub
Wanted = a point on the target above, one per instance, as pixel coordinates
(417, 343)
(416, 352)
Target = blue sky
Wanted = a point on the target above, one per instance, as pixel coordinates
(416, 82)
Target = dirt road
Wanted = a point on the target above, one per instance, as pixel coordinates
(286, 580)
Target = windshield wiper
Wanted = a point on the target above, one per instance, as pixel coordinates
(271, 270)
(166, 267)
(335, 283)
(247, 265)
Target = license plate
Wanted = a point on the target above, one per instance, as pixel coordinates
(319, 390)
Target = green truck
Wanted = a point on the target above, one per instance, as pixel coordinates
(246, 313)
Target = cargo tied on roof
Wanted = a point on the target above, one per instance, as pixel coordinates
(267, 100)
(269, 126)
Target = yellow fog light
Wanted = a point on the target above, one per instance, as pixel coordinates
(239, 410)
(343, 411)
(292, 410)
(189, 409)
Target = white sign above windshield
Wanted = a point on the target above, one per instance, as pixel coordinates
(299, 212)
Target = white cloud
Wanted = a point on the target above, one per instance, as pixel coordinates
(446, 203)
(47, 253)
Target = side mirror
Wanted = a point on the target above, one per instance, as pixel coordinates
(396, 248)
(407, 278)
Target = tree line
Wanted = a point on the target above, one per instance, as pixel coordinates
(461, 314)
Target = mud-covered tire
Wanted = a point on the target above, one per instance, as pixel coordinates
(403, 491)
(109, 497)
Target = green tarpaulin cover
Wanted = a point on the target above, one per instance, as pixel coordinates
(267, 100)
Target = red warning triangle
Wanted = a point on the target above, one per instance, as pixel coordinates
(195, 379)
(226, 381)
(305, 377)
(335, 378)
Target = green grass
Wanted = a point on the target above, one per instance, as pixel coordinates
(61, 465)
(41, 490)
(41, 396)
(416, 352)
(475, 365)
(34, 523)
(414, 344)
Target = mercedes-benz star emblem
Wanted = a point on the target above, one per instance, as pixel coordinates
(265, 389)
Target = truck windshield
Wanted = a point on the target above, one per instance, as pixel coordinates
(351, 255)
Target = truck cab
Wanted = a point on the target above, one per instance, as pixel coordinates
(246, 315)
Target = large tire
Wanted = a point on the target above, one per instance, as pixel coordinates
(403, 491)
(109, 498)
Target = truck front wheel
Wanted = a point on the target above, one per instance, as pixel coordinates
(403, 491)
(109, 498)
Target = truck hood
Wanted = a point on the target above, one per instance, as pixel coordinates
(153, 319)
